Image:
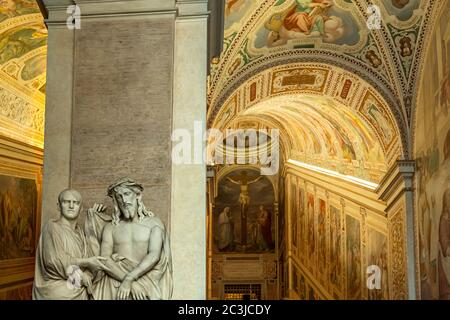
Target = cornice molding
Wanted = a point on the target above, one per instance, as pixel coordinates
(183, 9)
(397, 180)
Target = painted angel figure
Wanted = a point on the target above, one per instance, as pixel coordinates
(304, 18)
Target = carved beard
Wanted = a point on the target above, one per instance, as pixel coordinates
(129, 210)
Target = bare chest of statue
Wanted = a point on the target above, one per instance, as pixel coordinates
(131, 240)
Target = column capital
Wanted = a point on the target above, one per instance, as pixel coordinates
(103, 8)
(399, 178)
(190, 9)
(187, 9)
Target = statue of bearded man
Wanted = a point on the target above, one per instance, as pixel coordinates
(136, 244)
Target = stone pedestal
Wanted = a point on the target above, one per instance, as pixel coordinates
(116, 89)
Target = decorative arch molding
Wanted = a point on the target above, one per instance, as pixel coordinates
(261, 123)
(313, 79)
(285, 60)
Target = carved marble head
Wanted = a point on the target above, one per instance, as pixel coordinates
(127, 198)
(69, 204)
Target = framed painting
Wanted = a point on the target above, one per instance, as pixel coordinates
(353, 251)
(243, 216)
(18, 214)
(293, 215)
(20, 211)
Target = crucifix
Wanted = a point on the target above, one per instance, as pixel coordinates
(244, 199)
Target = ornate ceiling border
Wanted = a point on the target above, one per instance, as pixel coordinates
(329, 59)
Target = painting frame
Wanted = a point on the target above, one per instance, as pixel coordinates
(258, 237)
(21, 161)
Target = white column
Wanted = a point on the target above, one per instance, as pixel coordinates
(58, 108)
(188, 212)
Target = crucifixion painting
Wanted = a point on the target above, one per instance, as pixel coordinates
(243, 181)
(244, 211)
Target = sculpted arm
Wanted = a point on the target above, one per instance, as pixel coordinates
(106, 251)
(56, 257)
(153, 256)
(146, 265)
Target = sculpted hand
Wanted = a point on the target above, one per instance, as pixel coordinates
(97, 208)
(86, 281)
(95, 263)
(124, 290)
(137, 291)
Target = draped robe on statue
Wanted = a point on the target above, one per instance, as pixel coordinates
(57, 250)
(157, 283)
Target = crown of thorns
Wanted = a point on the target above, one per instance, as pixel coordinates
(124, 182)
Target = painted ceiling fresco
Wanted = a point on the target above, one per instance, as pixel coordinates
(267, 25)
(259, 33)
(23, 54)
(326, 116)
(378, 86)
(324, 133)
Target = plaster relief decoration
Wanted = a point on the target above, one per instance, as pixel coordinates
(299, 79)
(227, 113)
(397, 247)
(22, 113)
(23, 55)
(377, 116)
(123, 256)
(244, 214)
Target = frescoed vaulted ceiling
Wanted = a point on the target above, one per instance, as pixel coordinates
(334, 29)
(327, 117)
(23, 54)
(363, 66)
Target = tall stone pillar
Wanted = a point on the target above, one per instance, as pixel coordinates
(117, 87)
(188, 217)
(397, 190)
(58, 107)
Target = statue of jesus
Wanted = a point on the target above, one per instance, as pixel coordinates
(136, 244)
